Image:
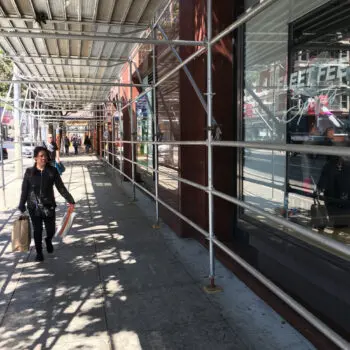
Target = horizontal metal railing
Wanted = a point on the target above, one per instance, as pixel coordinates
(174, 211)
(292, 148)
(339, 249)
(322, 242)
(160, 172)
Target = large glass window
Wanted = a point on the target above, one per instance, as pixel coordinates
(265, 105)
(168, 109)
(296, 90)
(144, 115)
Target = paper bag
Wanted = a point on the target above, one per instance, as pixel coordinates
(21, 234)
(319, 215)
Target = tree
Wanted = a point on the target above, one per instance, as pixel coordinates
(6, 71)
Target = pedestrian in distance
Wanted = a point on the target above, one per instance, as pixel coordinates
(38, 197)
(66, 144)
(75, 145)
(51, 146)
(87, 143)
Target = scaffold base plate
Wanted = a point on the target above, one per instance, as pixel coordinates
(213, 289)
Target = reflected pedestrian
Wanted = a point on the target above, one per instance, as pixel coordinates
(334, 184)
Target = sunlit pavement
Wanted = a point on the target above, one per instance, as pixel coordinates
(116, 283)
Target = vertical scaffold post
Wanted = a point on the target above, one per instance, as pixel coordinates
(113, 140)
(212, 287)
(102, 126)
(132, 138)
(96, 132)
(17, 124)
(121, 134)
(1, 146)
(2, 164)
(104, 133)
(155, 128)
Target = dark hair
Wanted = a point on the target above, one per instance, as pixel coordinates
(36, 151)
(39, 149)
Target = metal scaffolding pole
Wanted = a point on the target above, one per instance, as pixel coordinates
(121, 133)
(17, 124)
(155, 128)
(95, 134)
(209, 146)
(63, 58)
(1, 147)
(59, 82)
(132, 133)
(48, 64)
(186, 70)
(103, 118)
(106, 38)
(113, 140)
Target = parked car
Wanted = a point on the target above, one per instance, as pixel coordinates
(27, 149)
(5, 155)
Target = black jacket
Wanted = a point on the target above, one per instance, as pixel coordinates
(334, 182)
(39, 184)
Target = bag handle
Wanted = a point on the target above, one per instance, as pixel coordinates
(317, 198)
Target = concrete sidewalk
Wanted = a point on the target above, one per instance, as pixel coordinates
(116, 283)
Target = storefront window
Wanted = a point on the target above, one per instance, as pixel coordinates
(265, 103)
(168, 109)
(297, 76)
(118, 135)
(144, 117)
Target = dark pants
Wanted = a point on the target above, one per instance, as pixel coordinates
(50, 225)
(75, 149)
(67, 149)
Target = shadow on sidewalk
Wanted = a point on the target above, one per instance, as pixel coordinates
(111, 284)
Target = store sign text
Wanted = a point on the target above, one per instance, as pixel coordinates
(316, 75)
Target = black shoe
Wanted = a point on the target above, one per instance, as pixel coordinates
(39, 257)
(49, 245)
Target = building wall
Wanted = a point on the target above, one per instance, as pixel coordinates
(194, 118)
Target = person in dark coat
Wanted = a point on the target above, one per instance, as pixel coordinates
(38, 194)
(87, 144)
(334, 183)
(66, 144)
(75, 145)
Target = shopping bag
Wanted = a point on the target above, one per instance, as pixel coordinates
(319, 215)
(60, 167)
(66, 223)
(21, 236)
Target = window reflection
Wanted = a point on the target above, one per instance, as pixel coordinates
(297, 74)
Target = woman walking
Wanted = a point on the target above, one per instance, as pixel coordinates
(37, 192)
